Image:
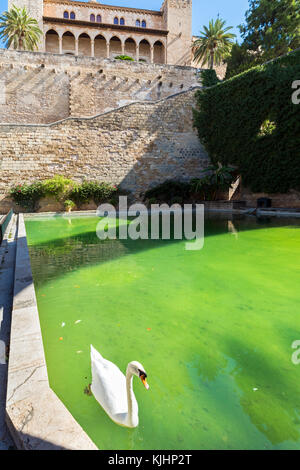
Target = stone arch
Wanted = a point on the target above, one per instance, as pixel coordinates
(100, 46)
(115, 46)
(130, 47)
(144, 51)
(84, 44)
(68, 43)
(158, 52)
(52, 41)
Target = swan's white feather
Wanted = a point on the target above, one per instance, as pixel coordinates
(108, 385)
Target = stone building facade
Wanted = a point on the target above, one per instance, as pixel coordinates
(97, 30)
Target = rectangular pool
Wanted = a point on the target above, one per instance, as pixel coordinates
(213, 328)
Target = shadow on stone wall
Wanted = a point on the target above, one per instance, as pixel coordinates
(136, 147)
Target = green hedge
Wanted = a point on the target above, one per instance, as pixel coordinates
(63, 190)
(209, 77)
(250, 121)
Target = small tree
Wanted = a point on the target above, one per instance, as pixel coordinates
(214, 43)
(19, 30)
(272, 27)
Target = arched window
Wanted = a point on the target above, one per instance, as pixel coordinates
(144, 24)
(72, 15)
(99, 19)
(116, 20)
(92, 18)
(138, 23)
(66, 14)
(122, 21)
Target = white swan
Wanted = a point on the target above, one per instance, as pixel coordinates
(114, 391)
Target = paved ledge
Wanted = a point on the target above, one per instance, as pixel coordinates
(36, 418)
(7, 269)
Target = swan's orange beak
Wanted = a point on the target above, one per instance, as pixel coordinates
(144, 380)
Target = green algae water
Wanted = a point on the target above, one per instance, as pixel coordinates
(213, 328)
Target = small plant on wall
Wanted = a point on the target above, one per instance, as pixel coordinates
(124, 57)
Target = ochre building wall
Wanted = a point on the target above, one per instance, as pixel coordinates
(137, 146)
(73, 27)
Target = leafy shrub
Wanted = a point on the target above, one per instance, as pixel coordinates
(231, 119)
(152, 200)
(63, 190)
(168, 191)
(92, 191)
(57, 187)
(216, 179)
(28, 195)
(209, 77)
(124, 57)
(241, 59)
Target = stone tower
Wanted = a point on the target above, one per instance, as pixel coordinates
(33, 7)
(178, 21)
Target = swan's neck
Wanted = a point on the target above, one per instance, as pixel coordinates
(129, 387)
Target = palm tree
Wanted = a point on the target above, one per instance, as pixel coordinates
(214, 43)
(19, 30)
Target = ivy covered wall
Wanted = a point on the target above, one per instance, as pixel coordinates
(251, 121)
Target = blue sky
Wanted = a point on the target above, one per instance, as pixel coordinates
(233, 11)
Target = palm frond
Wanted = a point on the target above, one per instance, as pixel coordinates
(214, 43)
(19, 30)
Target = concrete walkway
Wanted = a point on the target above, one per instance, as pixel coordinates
(7, 269)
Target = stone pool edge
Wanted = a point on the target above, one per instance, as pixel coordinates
(249, 211)
(35, 416)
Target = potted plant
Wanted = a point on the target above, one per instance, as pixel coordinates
(69, 205)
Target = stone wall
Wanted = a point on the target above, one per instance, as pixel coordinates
(136, 146)
(43, 88)
(288, 200)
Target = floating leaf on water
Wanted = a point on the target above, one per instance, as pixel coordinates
(77, 321)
